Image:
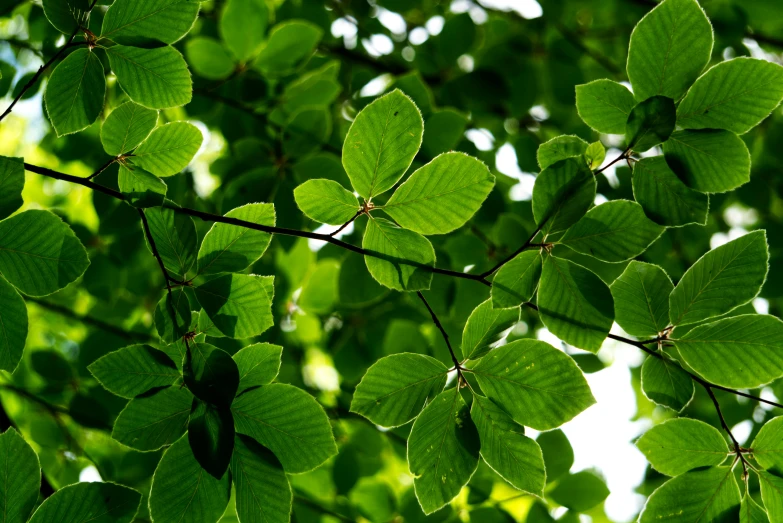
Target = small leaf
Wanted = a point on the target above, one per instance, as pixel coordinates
(289, 422)
(665, 199)
(211, 437)
(211, 374)
(575, 304)
(604, 105)
(242, 26)
(134, 370)
(538, 385)
(735, 95)
(326, 201)
(595, 155)
(403, 257)
(581, 491)
(154, 420)
(140, 188)
(443, 450)
(208, 58)
(650, 123)
(381, 143)
(441, 196)
(175, 237)
(562, 194)
(173, 315)
(395, 388)
(147, 23)
(679, 445)
(126, 127)
(169, 149)
(516, 281)
(665, 383)
(560, 148)
(290, 43)
(701, 495)
(258, 365)
(641, 299)
(67, 15)
(721, 280)
(240, 305)
(155, 78)
(19, 489)
(768, 445)
(93, 502)
(75, 92)
(11, 185)
(558, 453)
(708, 160)
(13, 319)
(485, 327)
(262, 490)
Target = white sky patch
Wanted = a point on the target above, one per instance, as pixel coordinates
(742, 431)
(377, 85)
(316, 245)
(418, 36)
(539, 113)
(528, 9)
(378, 45)
(90, 474)
(739, 216)
(599, 199)
(761, 305)
(506, 163)
(466, 63)
(435, 25)
(610, 173)
(720, 238)
(342, 27)
(392, 21)
(460, 6)
(481, 138)
(478, 15)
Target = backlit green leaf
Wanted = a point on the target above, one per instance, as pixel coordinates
(154, 420)
(562, 194)
(169, 148)
(679, 445)
(665, 383)
(258, 364)
(208, 58)
(485, 327)
(560, 148)
(155, 78)
(604, 105)
(228, 248)
(211, 436)
(289, 44)
(211, 375)
(262, 490)
(772, 494)
(650, 123)
(516, 281)
(11, 185)
(75, 92)
(93, 502)
(581, 491)
(242, 27)
(751, 512)
(558, 453)
(326, 201)
(403, 256)
(66, 15)
(147, 23)
(240, 305)
(701, 495)
(768, 445)
(22, 478)
(141, 188)
(13, 318)
(173, 315)
(134, 370)
(641, 299)
(665, 199)
(126, 127)
(175, 237)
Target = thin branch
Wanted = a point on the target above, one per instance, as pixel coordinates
(166, 278)
(622, 156)
(346, 224)
(737, 448)
(513, 255)
(438, 324)
(74, 179)
(102, 168)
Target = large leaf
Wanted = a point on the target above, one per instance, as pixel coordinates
(211, 374)
(39, 253)
(516, 281)
(93, 502)
(75, 92)
(679, 445)
(641, 299)
(13, 326)
(740, 352)
(149, 22)
(768, 445)
(664, 198)
(262, 490)
(183, 492)
(709, 495)
(290, 44)
(506, 449)
(721, 280)
(240, 305)
(242, 27)
(604, 105)
(211, 437)
(614, 231)
(708, 160)
(141, 188)
(289, 422)
(326, 201)
(11, 185)
(575, 304)
(402, 258)
(381, 143)
(441, 196)
(155, 78)
(735, 95)
(562, 194)
(169, 148)
(665, 383)
(126, 127)
(258, 364)
(134, 370)
(21, 479)
(443, 450)
(151, 421)
(669, 48)
(175, 237)
(538, 385)
(228, 248)
(772, 494)
(581, 491)
(560, 148)
(395, 388)
(485, 327)
(650, 123)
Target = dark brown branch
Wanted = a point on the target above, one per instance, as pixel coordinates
(735, 443)
(102, 168)
(154, 248)
(349, 222)
(438, 324)
(514, 254)
(74, 179)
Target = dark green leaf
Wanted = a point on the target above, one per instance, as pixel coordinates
(20, 483)
(93, 502)
(175, 237)
(262, 490)
(650, 123)
(240, 305)
(558, 453)
(211, 437)
(13, 319)
(154, 420)
(562, 194)
(664, 198)
(665, 383)
(11, 185)
(580, 491)
(141, 188)
(516, 281)
(173, 315)
(211, 374)
(134, 370)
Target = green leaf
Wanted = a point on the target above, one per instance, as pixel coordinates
(443, 450)
(19, 488)
(169, 148)
(290, 44)
(263, 494)
(604, 105)
(75, 92)
(395, 388)
(751, 512)
(701, 495)
(240, 305)
(581, 491)
(141, 188)
(134, 370)
(595, 155)
(441, 196)
(289, 422)
(155, 78)
(126, 127)
(242, 26)
(768, 445)
(708, 160)
(208, 58)
(93, 502)
(175, 237)
(772, 494)
(319, 293)
(506, 449)
(614, 231)
(13, 319)
(560, 148)
(39, 253)
(228, 248)
(669, 48)
(11, 185)
(154, 420)
(665, 383)
(326, 201)
(679, 445)
(442, 132)
(183, 492)
(258, 364)
(562, 194)
(211, 437)
(485, 327)
(735, 95)
(650, 123)
(558, 453)
(538, 385)
(641, 299)
(211, 374)
(721, 280)
(575, 304)
(381, 143)
(146, 23)
(739, 352)
(403, 257)
(516, 281)
(67, 15)
(665, 199)
(173, 315)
